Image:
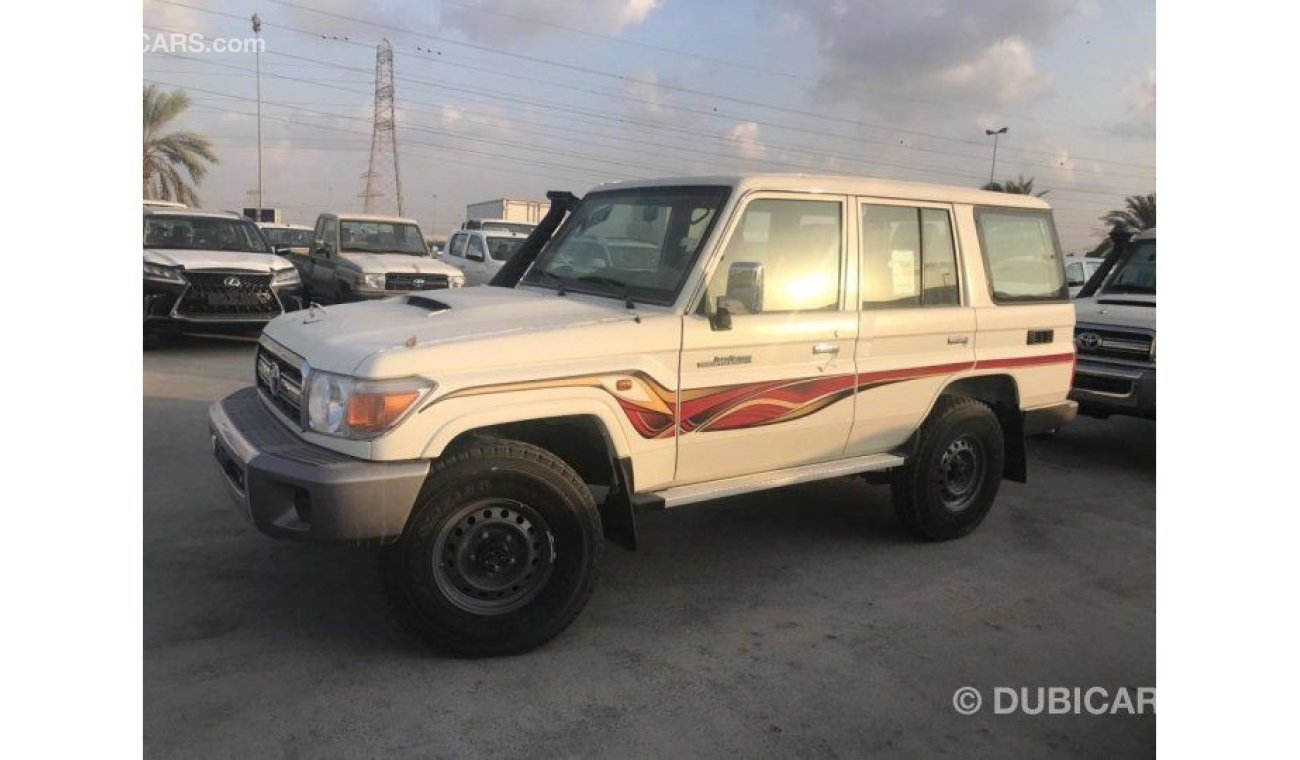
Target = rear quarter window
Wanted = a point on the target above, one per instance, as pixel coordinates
(1021, 255)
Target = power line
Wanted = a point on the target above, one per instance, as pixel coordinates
(660, 85)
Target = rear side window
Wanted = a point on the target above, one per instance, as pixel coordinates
(908, 258)
(1021, 255)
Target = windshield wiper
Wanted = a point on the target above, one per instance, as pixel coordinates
(611, 282)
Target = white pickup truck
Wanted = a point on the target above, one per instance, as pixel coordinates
(674, 341)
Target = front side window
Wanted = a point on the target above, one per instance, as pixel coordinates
(908, 258)
(203, 234)
(327, 229)
(784, 256)
(638, 243)
(475, 252)
(1136, 273)
(1021, 255)
(358, 236)
(457, 246)
(1074, 274)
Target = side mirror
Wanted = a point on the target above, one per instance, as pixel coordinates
(281, 249)
(720, 319)
(745, 285)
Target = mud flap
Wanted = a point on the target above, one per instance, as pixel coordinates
(616, 514)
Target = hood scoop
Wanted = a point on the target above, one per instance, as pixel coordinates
(424, 302)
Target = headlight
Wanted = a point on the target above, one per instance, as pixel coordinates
(343, 406)
(371, 281)
(286, 277)
(161, 273)
(456, 281)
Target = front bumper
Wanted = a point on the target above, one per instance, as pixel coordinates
(162, 315)
(1106, 388)
(289, 488)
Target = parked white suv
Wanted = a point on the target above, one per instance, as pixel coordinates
(675, 341)
(480, 254)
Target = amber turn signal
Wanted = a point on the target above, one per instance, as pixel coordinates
(378, 411)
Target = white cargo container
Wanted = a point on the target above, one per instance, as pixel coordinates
(508, 210)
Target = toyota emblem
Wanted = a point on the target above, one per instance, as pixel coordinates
(417, 283)
(1087, 341)
(232, 282)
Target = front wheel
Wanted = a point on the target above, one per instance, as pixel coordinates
(948, 484)
(501, 554)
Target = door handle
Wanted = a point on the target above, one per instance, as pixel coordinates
(826, 348)
(957, 340)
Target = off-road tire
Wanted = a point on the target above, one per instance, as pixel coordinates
(527, 493)
(927, 490)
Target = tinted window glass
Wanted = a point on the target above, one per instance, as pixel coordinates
(908, 258)
(784, 256)
(203, 233)
(1020, 253)
(458, 246)
(359, 236)
(476, 251)
(502, 248)
(1137, 272)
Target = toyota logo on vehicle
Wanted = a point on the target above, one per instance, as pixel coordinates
(232, 282)
(1087, 341)
(417, 283)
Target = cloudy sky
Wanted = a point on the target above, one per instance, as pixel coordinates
(515, 97)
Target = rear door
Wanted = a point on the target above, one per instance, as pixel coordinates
(916, 329)
(775, 389)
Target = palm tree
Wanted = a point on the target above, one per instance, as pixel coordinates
(166, 155)
(1139, 213)
(1020, 186)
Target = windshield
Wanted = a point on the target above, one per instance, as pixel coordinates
(640, 243)
(199, 233)
(502, 248)
(356, 236)
(522, 228)
(287, 236)
(1136, 273)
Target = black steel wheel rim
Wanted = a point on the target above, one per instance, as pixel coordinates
(960, 473)
(493, 556)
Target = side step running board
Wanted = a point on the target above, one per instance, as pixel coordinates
(717, 489)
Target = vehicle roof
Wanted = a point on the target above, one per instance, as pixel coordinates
(166, 211)
(828, 183)
(377, 218)
(283, 226)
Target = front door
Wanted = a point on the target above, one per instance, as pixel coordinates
(775, 390)
(324, 260)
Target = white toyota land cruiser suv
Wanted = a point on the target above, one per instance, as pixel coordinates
(673, 341)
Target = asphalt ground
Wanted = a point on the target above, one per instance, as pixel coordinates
(799, 622)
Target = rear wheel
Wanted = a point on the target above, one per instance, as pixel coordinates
(948, 485)
(501, 554)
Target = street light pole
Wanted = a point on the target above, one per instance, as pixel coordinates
(994, 133)
(433, 224)
(257, 32)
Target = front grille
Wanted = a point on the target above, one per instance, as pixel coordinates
(228, 294)
(415, 281)
(279, 376)
(1115, 344)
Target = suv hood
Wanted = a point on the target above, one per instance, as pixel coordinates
(201, 259)
(383, 263)
(1120, 310)
(341, 338)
